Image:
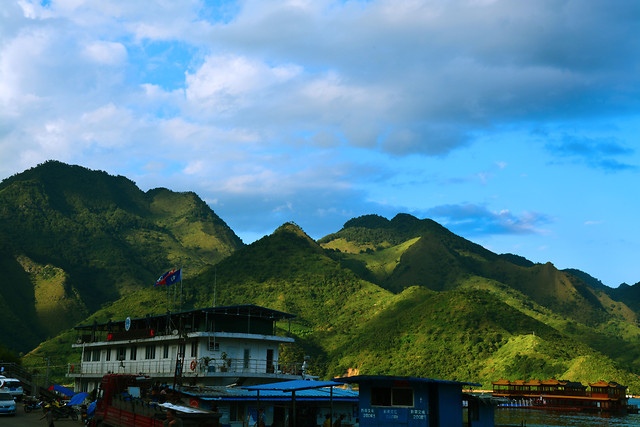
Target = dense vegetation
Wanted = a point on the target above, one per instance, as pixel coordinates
(401, 296)
(72, 240)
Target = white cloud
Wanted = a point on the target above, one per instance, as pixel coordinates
(304, 104)
(232, 82)
(107, 53)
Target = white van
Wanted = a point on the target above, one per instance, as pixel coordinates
(7, 404)
(11, 385)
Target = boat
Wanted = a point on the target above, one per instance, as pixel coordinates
(563, 395)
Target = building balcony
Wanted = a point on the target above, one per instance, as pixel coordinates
(165, 368)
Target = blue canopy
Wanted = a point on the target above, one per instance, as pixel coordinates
(92, 407)
(78, 399)
(62, 389)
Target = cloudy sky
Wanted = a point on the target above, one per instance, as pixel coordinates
(512, 123)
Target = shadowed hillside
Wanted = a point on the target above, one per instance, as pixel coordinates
(73, 239)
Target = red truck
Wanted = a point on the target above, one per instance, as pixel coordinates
(126, 401)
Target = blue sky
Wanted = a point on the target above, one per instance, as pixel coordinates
(513, 124)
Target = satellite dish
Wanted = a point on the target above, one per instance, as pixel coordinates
(174, 332)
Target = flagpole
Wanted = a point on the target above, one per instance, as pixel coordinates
(174, 293)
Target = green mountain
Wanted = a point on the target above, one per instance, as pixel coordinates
(406, 251)
(629, 294)
(401, 296)
(480, 330)
(72, 239)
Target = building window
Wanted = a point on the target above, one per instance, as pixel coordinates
(108, 355)
(150, 352)
(87, 356)
(133, 353)
(194, 349)
(121, 353)
(165, 352)
(391, 396)
(181, 350)
(214, 346)
(96, 355)
(247, 354)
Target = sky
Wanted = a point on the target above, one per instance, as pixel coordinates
(512, 123)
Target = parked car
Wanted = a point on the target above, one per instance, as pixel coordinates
(11, 385)
(7, 404)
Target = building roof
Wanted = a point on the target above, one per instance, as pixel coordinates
(372, 378)
(242, 394)
(294, 385)
(611, 384)
(249, 310)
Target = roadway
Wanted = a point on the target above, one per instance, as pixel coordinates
(32, 419)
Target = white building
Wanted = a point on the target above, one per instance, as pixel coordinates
(209, 346)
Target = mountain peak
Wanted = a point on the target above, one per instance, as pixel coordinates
(367, 221)
(293, 228)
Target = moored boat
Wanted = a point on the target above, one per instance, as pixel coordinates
(561, 395)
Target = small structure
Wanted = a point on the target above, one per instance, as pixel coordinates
(417, 402)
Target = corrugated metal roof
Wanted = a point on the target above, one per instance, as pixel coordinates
(372, 378)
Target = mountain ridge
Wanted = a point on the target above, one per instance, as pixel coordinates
(399, 296)
(104, 234)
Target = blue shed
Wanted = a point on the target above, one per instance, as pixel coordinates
(412, 402)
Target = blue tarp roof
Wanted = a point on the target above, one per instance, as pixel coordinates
(62, 389)
(377, 378)
(294, 385)
(78, 399)
(240, 394)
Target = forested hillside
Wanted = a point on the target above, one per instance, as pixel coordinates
(72, 239)
(403, 296)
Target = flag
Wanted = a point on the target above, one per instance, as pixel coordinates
(174, 277)
(162, 280)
